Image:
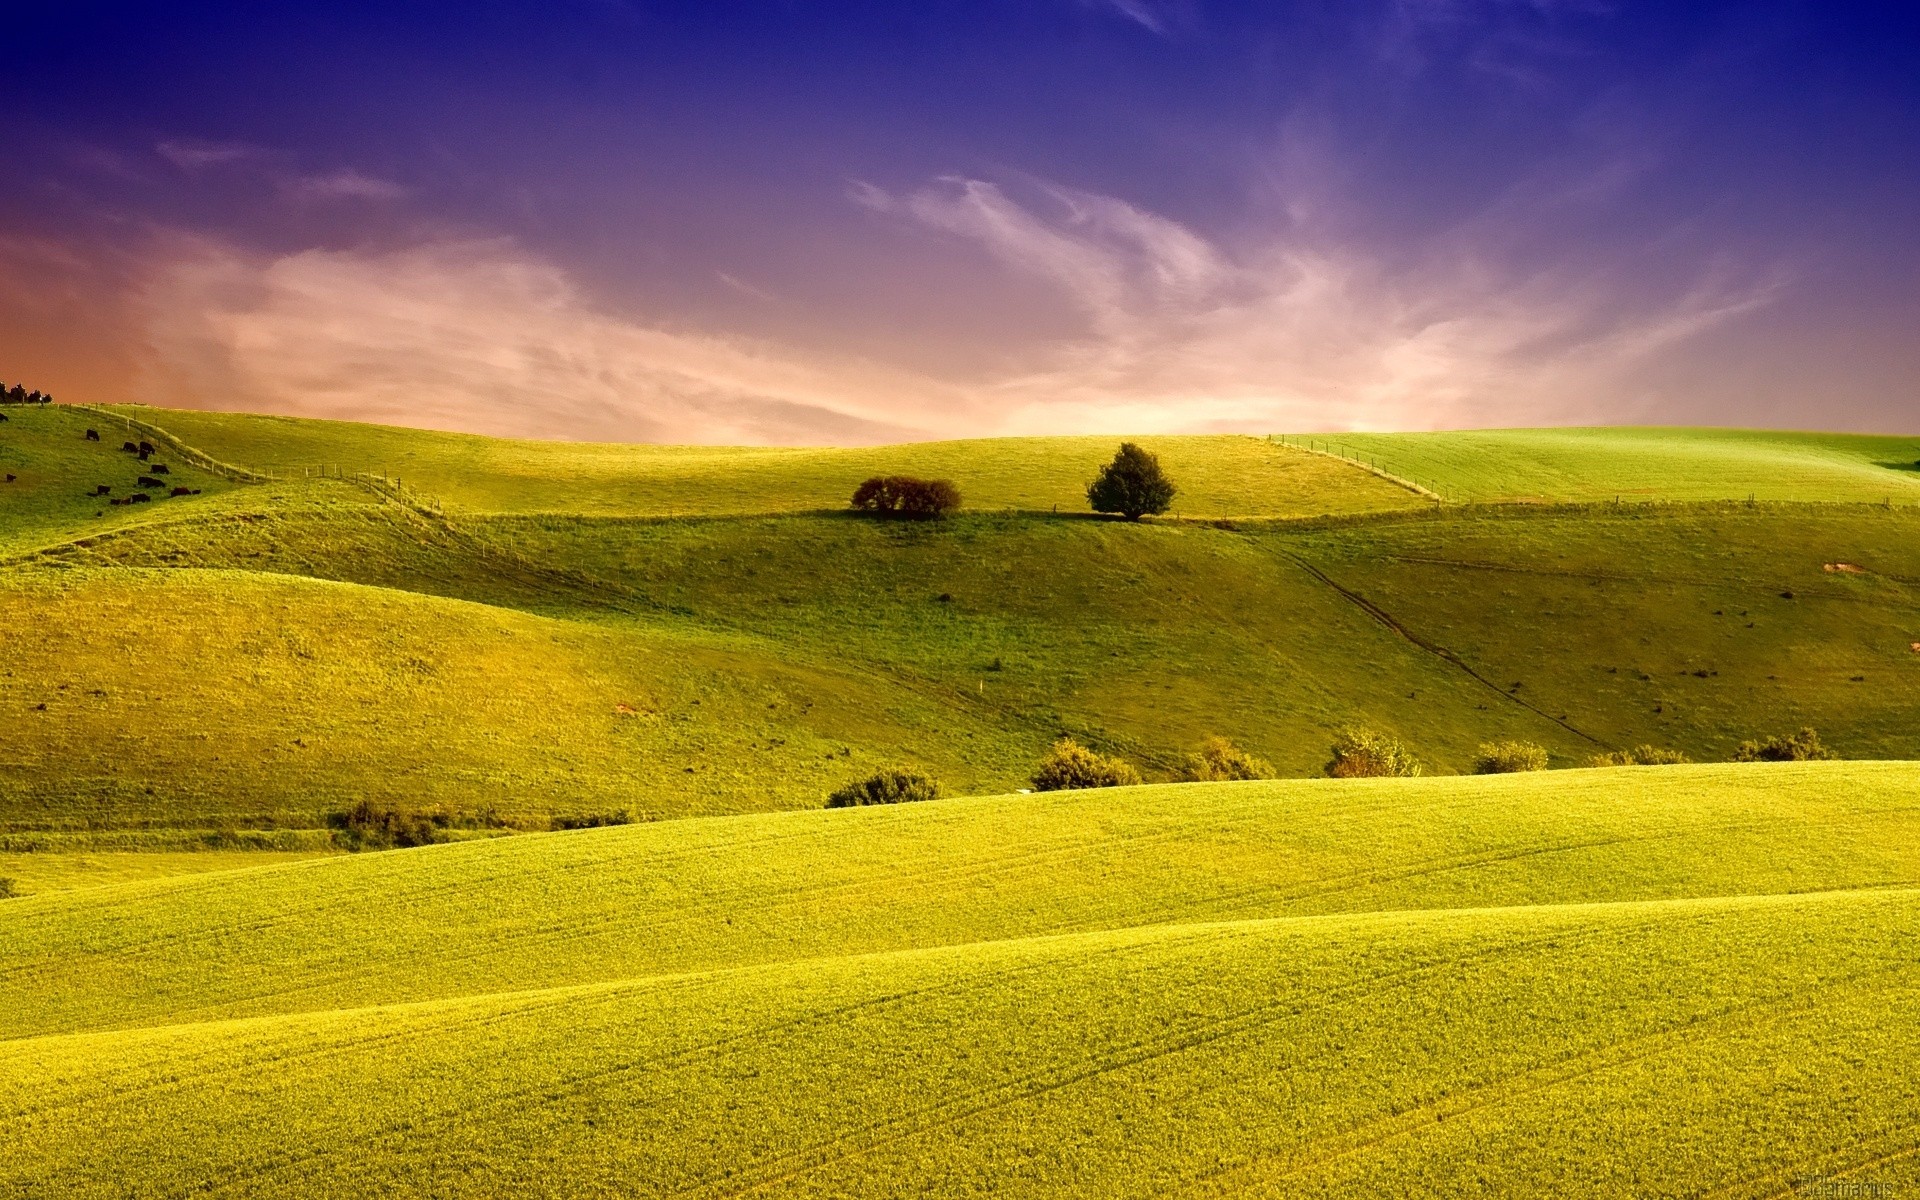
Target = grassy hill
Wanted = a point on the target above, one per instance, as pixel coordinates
(186, 669)
(1668, 981)
(1597, 465)
(1624, 982)
(1219, 476)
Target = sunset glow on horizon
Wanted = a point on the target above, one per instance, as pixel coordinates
(780, 223)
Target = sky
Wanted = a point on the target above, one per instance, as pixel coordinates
(791, 222)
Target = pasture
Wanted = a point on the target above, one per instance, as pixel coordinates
(1637, 981)
(1591, 466)
(256, 658)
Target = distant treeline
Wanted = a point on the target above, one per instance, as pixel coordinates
(20, 395)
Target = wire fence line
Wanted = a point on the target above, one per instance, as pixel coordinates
(179, 449)
(1367, 462)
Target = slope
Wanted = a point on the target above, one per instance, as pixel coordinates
(1599, 465)
(686, 896)
(56, 472)
(1663, 981)
(226, 699)
(1219, 476)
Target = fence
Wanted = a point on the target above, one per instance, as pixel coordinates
(1366, 462)
(175, 447)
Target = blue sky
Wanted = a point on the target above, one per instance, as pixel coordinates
(803, 222)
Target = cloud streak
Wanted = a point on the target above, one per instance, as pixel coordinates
(1310, 332)
(1179, 335)
(478, 336)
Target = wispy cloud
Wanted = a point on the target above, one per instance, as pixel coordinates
(279, 170)
(342, 185)
(1302, 331)
(480, 336)
(193, 155)
(1158, 16)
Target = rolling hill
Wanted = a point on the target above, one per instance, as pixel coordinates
(1667, 981)
(250, 660)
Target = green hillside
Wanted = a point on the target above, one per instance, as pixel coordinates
(57, 470)
(1668, 981)
(184, 674)
(1219, 476)
(1596, 465)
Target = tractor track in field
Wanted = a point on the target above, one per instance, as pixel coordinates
(1387, 619)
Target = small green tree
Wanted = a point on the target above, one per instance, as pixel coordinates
(1132, 485)
(1804, 746)
(1366, 754)
(1509, 758)
(1220, 761)
(1069, 765)
(896, 785)
(1639, 756)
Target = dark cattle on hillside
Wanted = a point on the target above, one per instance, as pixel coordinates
(146, 447)
(159, 469)
(149, 481)
(139, 498)
(129, 447)
(180, 491)
(93, 435)
(101, 489)
(11, 478)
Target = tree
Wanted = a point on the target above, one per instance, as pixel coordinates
(905, 496)
(1220, 761)
(1509, 758)
(1366, 754)
(1132, 485)
(1069, 765)
(1804, 746)
(895, 785)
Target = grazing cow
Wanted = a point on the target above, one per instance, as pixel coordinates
(129, 447)
(101, 489)
(93, 435)
(150, 481)
(146, 447)
(11, 478)
(139, 498)
(116, 501)
(180, 491)
(159, 469)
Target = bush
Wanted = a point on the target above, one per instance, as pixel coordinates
(1220, 761)
(371, 826)
(8, 888)
(1639, 756)
(1366, 754)
(894, 786)
(905, 496)
(1132, 485)
(1804, 746)
(1069, 765)
(598, 820)
(1509, 758)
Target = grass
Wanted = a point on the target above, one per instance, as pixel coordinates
(1624, 982)
(1599, 465)
(195, 676)
(1219, 476)
(597, 906)
(65, 867)
(1664, 981)
(56, 471)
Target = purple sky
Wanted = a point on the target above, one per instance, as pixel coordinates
(854, 222)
